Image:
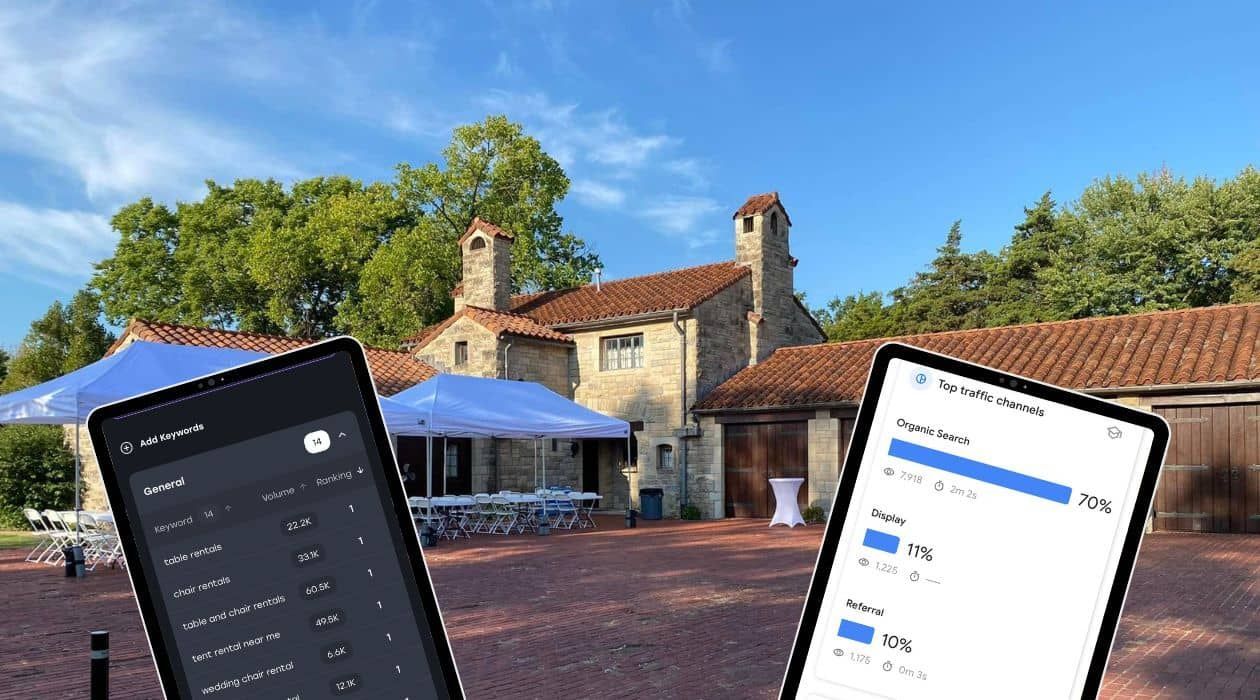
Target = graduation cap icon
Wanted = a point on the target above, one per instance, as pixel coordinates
(1114, 433)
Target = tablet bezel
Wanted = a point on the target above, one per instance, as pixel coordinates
(1039, 390)
(448, 680)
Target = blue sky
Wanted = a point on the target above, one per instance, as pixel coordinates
(878, 125)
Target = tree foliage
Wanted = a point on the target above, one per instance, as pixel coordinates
(64, 339)
(1126, 245)
(36, 471)
(330, 254)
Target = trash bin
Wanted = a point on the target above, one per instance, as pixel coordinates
(650, 503)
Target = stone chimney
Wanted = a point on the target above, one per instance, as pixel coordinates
(761, 243)
(486, 251)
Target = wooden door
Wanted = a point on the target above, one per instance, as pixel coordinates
(1244, 476)
(755, 452)
(1211, 477)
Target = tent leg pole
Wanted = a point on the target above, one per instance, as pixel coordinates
(428, 466)
(78, 470)
(444, 469)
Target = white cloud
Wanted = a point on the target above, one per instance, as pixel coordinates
(52, 247)
(690, 169)
(77, 92)
(687, 217)
(503, 66)
(597, 194)
(716, 55)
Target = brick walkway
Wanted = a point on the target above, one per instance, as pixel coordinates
(688, 610)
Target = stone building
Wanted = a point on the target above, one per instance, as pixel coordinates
(644, 349)
(793, 413)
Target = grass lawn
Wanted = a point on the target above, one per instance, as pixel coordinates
(16, 538)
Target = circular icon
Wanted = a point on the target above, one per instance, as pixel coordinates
(914, 576)
(125, 448)
(920, 379)
(864, 561)
(940, 485)
(887, 665)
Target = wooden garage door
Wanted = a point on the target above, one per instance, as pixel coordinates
(1211, 478)
(754, 452)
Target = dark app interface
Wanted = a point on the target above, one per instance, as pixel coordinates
(270, 552)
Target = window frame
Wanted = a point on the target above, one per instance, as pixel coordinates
(460, 345)
(662, 450)
(748, 224)
(627, 353)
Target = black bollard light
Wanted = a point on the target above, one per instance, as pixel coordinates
(100, 665)
(75, 564)
(630, 518)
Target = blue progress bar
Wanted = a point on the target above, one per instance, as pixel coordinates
(980, 471)
(857, 631)
(882, 541)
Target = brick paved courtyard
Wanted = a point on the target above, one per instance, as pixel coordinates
(675, 609)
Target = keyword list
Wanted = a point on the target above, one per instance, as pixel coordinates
(276, 569)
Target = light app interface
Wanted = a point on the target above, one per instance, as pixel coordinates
(269, 550)
(979, 547)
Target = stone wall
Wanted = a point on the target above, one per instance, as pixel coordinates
(707, 475)
(535, 361)
(483, 350)
(487, 272)
(94, 497)
(723, 347)
(824, 444)
(650, 394)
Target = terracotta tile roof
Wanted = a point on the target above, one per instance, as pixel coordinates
(759, 204)
(1188, 346)
(393, 370)
(664, 291)
(497, 322)
(485, 226)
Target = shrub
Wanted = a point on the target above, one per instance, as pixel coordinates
(36, 471)
(690, 512)
(814, 514)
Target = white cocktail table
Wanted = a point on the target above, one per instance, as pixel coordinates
(786, 510)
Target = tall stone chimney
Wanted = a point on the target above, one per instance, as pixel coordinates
(486, 252)
(761, 243)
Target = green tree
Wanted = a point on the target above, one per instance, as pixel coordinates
(492, 169)
(36, 471)
(4, 366)
(1013, 291)
(64, 339)
(949, 294)
(856, 317)
(304, 261)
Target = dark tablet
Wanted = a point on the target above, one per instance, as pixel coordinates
(981, 540)
(268, 537)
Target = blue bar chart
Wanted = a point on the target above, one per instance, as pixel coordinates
(987, 473)
(856, 631)
(882, 541)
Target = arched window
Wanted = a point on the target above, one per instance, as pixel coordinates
(477, 243)
(774, 224)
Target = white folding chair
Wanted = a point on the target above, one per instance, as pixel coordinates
(564, 512)
(43, 536)
(505, 515)
(60, 534)
(422, 513)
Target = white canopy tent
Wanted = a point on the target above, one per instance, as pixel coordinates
(454, 405)
(139, 367)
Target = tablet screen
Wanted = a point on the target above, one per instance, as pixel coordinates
(979, 546)
(267, 541)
